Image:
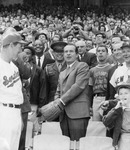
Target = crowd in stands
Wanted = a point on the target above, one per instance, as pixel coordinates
(100, 38)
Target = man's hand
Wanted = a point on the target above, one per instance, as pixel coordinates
(121, 103)
(104, 105)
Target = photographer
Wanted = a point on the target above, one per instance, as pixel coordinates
(76, 30)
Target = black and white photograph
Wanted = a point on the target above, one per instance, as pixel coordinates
(64, 74)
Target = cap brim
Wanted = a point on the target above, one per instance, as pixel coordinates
(22, 42)
(122, 86)
(62, 44)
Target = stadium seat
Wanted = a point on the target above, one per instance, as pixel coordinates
(95, 143)
(29, 133)
(51, 142)
(51, 128)
(96, 128)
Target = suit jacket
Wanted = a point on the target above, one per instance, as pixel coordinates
(72, 89)
(47, 59)
(52, 76)
(37, 86)
(90, 59)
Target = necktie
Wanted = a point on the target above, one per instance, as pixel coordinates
(39, 62)
(59, 66)
(80, 57)
(67, 69)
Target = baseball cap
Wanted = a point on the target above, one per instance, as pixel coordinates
(122, 85)
(58, 46)
(12, 37)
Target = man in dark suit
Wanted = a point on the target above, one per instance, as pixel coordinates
(72, 93)
(36, 81)
(84, 56)
(53, 70)
(39, 57)
(36, 87)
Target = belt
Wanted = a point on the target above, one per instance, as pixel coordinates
(11, 105)
(100, 94)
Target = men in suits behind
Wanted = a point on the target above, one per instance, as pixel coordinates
(53, 69)
(72, 92)
(84, 56)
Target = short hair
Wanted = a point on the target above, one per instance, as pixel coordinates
(102, 45)
(103, 35)
(71, 44)
(38, 34)
(99, 28)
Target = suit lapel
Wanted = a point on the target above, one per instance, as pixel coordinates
(66, 73)
(33, 74)
(55, 67)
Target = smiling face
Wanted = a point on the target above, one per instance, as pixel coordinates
(59, 56)
(126, 54)
(39, 46)
(117, 51)
(124, 96)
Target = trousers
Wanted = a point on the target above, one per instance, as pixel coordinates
(97, 111)
(10, 126)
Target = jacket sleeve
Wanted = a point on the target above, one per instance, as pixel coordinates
(109, 120)
(24, 68)
(57, 94)
(93, 60)
(80, 83)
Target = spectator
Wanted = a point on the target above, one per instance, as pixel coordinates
(85, 56)
(98, 81)
(53, 70)
(74, 119)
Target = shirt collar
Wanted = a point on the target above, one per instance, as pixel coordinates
(71, 64)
